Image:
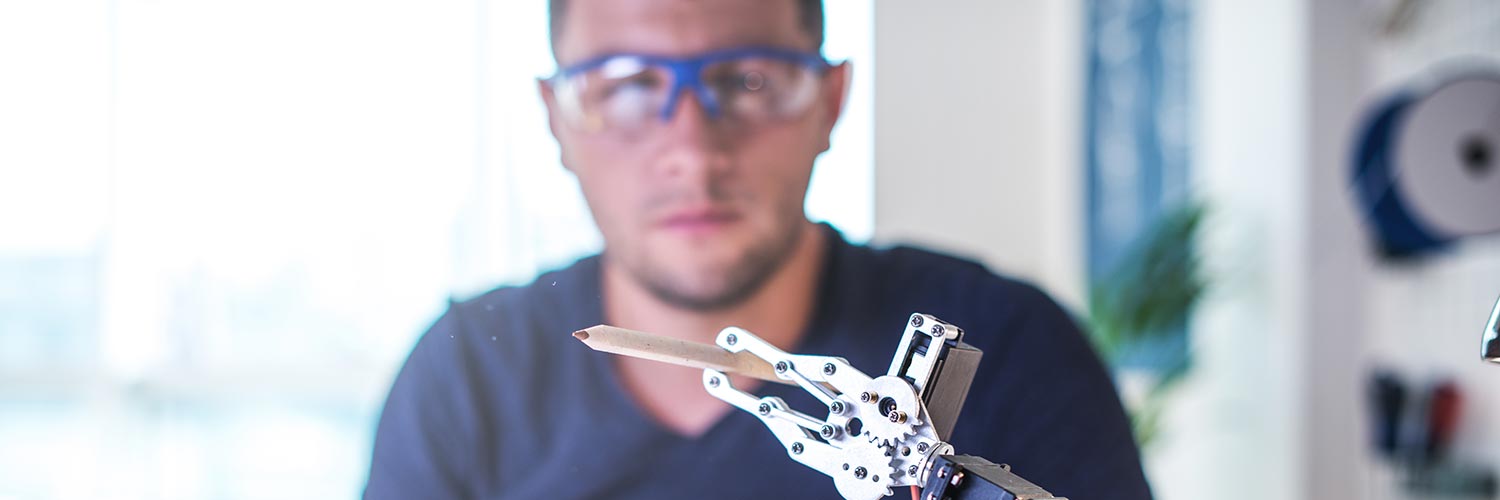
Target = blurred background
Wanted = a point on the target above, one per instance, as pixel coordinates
(223, 224)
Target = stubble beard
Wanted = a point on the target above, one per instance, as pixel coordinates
(736, 282)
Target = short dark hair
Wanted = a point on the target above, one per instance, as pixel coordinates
(809, 11)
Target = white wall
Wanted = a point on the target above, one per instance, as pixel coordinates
(1426, 317)
(977, 134)
(1335, 319)
(976, 148)
(1234, 422)
(1287, 348)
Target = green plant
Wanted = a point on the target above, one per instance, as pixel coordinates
(1139, 310)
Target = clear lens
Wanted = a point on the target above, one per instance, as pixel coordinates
(622, 93)
(626, 94)
(760, 90)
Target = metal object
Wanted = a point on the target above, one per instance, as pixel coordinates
(866, 442)
(1489, 347)
(933, 358)
(866, 437)
(966, 476)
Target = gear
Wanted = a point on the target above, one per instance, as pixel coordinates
(894, 395)
(868, 474)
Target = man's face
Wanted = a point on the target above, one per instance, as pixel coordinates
(698, 212)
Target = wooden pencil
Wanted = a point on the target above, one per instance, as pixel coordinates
(654, 347)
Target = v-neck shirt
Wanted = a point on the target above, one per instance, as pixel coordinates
(498, 400)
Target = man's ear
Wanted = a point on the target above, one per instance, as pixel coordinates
(835, 93)
(549, 99)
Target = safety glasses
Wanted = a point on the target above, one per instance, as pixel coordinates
(629, 93)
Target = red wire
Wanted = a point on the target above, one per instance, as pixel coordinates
(915, 495)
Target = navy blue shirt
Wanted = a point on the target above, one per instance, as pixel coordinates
(498, 400)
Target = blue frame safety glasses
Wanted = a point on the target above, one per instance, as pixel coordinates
(743, 86)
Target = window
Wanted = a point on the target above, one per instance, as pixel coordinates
(223, 224)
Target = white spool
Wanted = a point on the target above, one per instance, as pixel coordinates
(1447, 153)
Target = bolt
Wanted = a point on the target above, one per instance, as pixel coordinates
(828, 369)
(837, 408)
(782, 367)
(921, 447)
(828, 432)
(731, 339)
(765, 409)
(916, 321)
(713, 382)
(898, 417)
(868, 397)
(860, 472)
(937, 330)
(796, 448)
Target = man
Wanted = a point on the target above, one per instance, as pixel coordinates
(692, 126)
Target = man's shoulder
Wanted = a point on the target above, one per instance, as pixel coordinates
(952, 276)
(996, 309)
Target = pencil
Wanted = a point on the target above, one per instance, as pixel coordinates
(679, 352)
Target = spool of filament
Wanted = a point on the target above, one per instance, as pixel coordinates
(1427, 165)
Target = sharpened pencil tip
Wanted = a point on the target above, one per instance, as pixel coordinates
(581, 335)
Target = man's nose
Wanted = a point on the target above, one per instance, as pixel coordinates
(693, 142)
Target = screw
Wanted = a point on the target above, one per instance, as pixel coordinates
(731, 339)
(828, 369)
(796, 448)
(837, 408)
(912, 471)
(828, 431)
(868, 397)
(713, 382)
(921, 447)
(765, 409)
(916, 321)
(860, 472)
(937, 330)
(898, 417)
(905, 451)
(782, 367)
(875, 478)
(846, 466)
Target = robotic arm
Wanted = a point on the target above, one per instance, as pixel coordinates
(880, 433)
